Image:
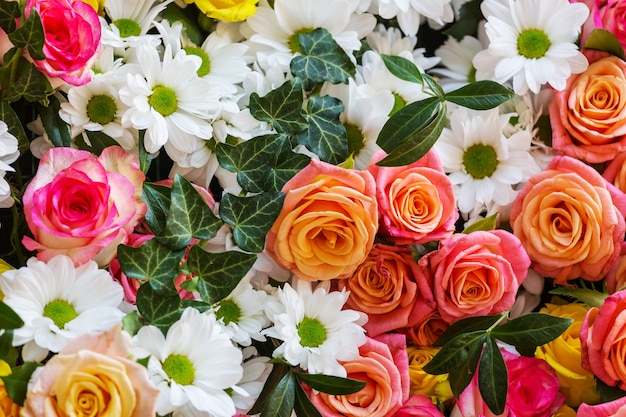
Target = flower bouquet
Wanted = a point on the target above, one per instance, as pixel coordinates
(313, 208)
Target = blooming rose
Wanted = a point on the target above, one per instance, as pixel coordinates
(570, 221)
(418, 406)
(435, 387)
(615, 408)
(616, 278)
(83, 206)
(476, 274)
(611, 15)
(383, 365)
(615, 172)
(71, 38)
(92, 376)
(564, 355)
(603, 339)
(226, 10)
(327, 224)
(588, 117)
(388, 288)
(427, 330)
(416, 202)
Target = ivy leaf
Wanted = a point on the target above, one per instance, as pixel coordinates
(30, 84)
(159, 310)
(603, 40)
(218, 273)
(403, 68)
(488, 223)
(456, 351)
(152, 262)
(480, 95)
(189, 216)
(98, 141)
(17, 381)
(493, 377)
(158, 201)
(326, 135)
(286, 164)
(282, 107)
(14, 125)
(9, 11)
(58, 131)
(469, 17)
(466, 325)
(303, 406)
(30, 34)
(322, 60)
(590, 297)
(9, 319)
(534, 329)
(281, 401)
(330, 384)
(251, 217)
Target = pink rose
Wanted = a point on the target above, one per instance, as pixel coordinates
(615, 172)
(416, 202)
(83, 206)
(92, 376)
(611, 15)
(615, 408)
(570, 221)
(616, 278)
(71, 38)
(383, 364)
(419, 406)
(476, 274)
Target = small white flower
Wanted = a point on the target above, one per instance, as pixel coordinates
(8, 154)
(456, 58)
(411, 12)
(59, 302)
(256, 369)
(130, 22)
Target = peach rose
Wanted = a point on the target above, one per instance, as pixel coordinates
(416, 202)
(615, 172)
(476, 274)
(92, 377)
(426, 331)
(327, 224)
(616, 278)
(588, 117)
(383, 365)
(570, 221)
(388, 289)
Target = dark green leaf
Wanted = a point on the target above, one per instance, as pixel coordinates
(434, 86)
(251, 217)
(467, 23)
(6, 344)
(493, 377)
(403, 68)
(330, 384)
(480, 95)
(9, 319)
(407, 122)
(29, 84)
(9, 11)
(278, 372)
(286, 164)
(588, 296)
(159, 310)
(98, 141)
(188, 17)
(157, 199)
(282, 107)
(30, 34)
(322, 60)
(603, 40)
(198, 305)
(303, 406)
(218, 273)
(455, 352)
(8, 115)
(17, 382)
(462, 374)
(488, 223)
(281, 400)
(58, 131)
(534, 329)
(466, 325)
(608, 393)
(145, 157)
(189, 216)
(152, 262)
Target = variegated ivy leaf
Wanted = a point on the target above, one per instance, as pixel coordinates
(30, 35)
(282, 107)
(15, 127)
(9, 12)
(157, 309)
(29, 83)
(57, 130)
(158, 201)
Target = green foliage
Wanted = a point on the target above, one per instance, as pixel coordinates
(603, 40)
(492, 376)
(332, 385)
(480, 95)
(17, 382)
(488, 223)
(9, 319)
(58, 131)
(9, 12)
(403, 68)
(588, 296)
(282, 107)
(14, 125)
(188, 16)
(97, 142)
(30, 35)
(469, 18)
(158, 309)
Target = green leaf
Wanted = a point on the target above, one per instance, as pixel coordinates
(188, 17)
(462, 374)
(434, 86)
(469, 17)
(132, 322)
(330, 384)
(14, 125)
(218, 273)
(281, 401)
(17, 382)
(534, 329)
(590, 297)
(145, 157)
(466, 325)
(189, 216)
(158, 201)
(486, 224)
(286, 164)
(6, 344)
(457, 351)
(603, 40)
(9, 11)
(493, 377)
(30, 84)
(98, 141)
(159, 310)
(480, 95)
(251, 217)
(30, 34)
(282, 107)
(303, 406)
(322, 60)
(403, 68)
(279, 370)
(9, 319)
(152, 262)
(58, 131)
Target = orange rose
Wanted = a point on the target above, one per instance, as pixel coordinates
(615, 172)
(327, 223)
(566, 218)
(427, 330)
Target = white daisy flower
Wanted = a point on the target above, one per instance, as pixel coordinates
(410, 13)
(456, 59)
(315, 331)
(390, 41)
(483, 164)
(532, 42)
(130, 22)
(192, 365)
(8, 154)
(256, 369)
(59, 302)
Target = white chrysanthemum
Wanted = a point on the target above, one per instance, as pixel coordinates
(456, 58)
(256, 369)
(315, 331)
(130, 22)
(171, 102)
(59, 302)
(192, 365)
(532, 42)
(8, 154)
(483, 164)
(390, 41)
(410, 13)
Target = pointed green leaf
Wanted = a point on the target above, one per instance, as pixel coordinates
(534, 329)
(251, 217)
(279, 370)
(407, 122)
(461, 375)
(466, 325)
(488, 223)
(603, 40)
(218, 273)
(30, 34)
(159, 310)
(469, 17)
(330, 384)
(152, 262)
(6, 344)
(286, 164)
(456, 351)
(493, 377)
(189, 216)
(145, 157)
(403, 68)
(132, 322)
(588, 296)
(98, 141)
(58, 131)
(9, 319)
(9, 11)
(322, 60)
(16, 383)
(8, 115)
(282, 107)
(281, 400)
(480, 95)
(158, 201)
(326, 135)
(434, 87)
(303, 406)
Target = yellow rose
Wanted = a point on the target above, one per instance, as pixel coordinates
(7, 407)
(226, 10)
(98, 5)
(565, 411)
(564, 355)
(436, 387)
